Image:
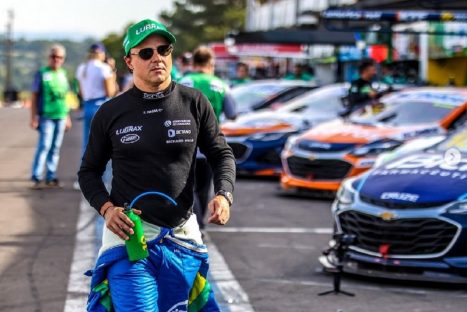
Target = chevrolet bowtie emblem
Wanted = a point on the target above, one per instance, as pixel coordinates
(387, 216)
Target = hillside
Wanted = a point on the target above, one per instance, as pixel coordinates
(28, 56)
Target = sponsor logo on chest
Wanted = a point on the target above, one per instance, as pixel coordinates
(129, 138)
(153, 96)
(129, 129)
(177, 135)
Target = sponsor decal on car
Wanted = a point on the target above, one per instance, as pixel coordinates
(400, 196)
(428, 162)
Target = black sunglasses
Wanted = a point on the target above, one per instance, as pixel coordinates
(147, 53)
(59, 57)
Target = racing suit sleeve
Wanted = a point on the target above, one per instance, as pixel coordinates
(213, 145)
(94, 161)
(229, 107)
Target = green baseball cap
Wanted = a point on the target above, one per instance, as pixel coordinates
(141, 30)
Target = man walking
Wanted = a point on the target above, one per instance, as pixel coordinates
(49, 116)
(151, 133)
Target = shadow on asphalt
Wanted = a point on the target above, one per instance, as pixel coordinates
(299, 194)
(378, 282)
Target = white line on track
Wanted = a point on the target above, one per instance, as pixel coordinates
(232, 293)
(84, 256)
(270, 230)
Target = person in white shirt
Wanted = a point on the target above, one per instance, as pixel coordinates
(96, 83)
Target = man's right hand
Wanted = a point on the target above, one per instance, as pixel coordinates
(117, 222)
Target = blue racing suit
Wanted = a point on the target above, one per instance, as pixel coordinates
(180, 266)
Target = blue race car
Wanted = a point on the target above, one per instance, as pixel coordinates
(407, 217)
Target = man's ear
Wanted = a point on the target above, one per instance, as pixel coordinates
(127, 60)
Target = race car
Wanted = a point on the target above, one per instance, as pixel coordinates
(407, 219)
(320, 158)
(261, 94)
(258, 138)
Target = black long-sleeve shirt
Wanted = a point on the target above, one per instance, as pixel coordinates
(151, 139)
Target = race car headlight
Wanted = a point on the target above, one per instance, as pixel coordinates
(346, 193)
(291, 142)
(267, 136)
(459, 207)
(376, 148)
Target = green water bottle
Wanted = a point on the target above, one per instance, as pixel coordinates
(136, 246)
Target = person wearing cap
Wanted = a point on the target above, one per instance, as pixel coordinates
(96, 84)
(49, 116)
(218, 93)
(151, 133)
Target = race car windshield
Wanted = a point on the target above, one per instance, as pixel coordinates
(458, 141)
(248, 96)
(407, 113)
(322, 100)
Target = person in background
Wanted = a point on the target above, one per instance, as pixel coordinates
(127, 82)
(242, 75)
(113, 65)
(96, 84)
(218, 94)
(361, 92)
(185, 64)
(49, 116)
(299, 73)
(387, 75)
(151, 133)
(182, 66)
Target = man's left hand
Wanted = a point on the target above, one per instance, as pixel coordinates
(220, 210)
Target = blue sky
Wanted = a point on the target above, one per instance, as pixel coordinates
(76, 19)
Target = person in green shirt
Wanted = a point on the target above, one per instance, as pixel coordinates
(242, 75)
(387, 75)
(218, 93)
(49, 116)
(299, 74)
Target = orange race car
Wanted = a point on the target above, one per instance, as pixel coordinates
(320, 158)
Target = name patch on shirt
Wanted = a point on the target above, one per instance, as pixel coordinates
(153, 111)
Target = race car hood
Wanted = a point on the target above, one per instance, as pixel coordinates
(339, 131)
(262, 122)
(419, 179)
